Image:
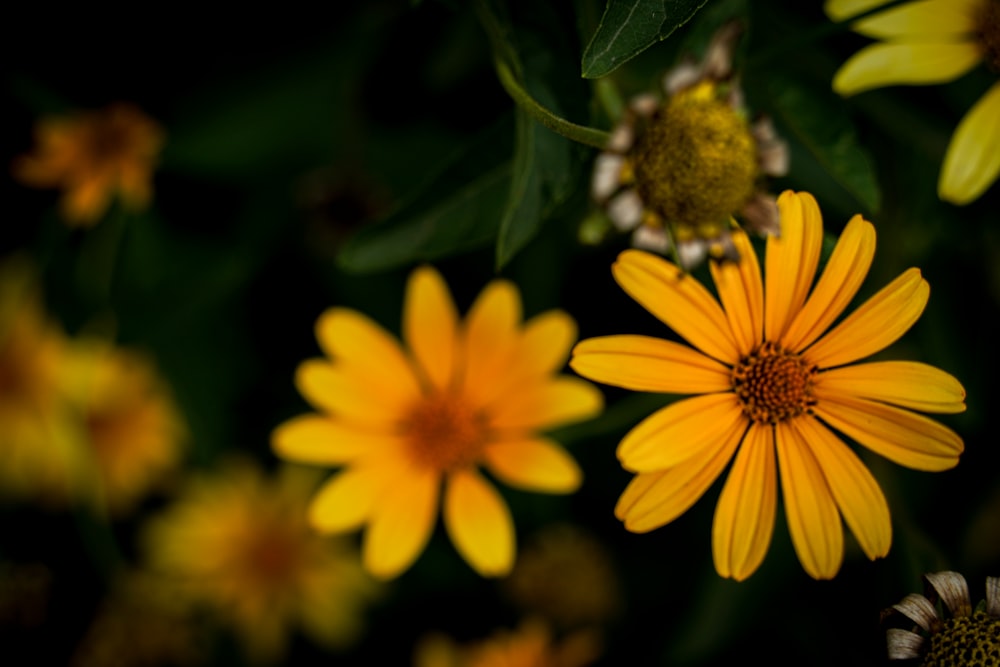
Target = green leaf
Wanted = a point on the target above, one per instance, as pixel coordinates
(818, 121)
(629, 27)
(458, 209)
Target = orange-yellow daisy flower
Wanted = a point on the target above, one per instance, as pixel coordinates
(530, 645)
(773, 388)
(237, 543)
(926, 42)
(460, 395)
(94, 156)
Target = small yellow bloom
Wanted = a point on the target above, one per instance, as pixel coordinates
(927, 42)
(238, 544)
(463, 395)
(773, 386)
(530, 645)
(93, 156)
(128, 422)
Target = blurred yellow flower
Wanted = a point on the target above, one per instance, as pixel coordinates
(772, 388)
(927, 42)
(129, 424)
(94, 156)
(238, 544)
(530, 645)
(401, 421)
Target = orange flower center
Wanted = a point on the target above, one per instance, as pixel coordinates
(274, 555)
(773, 384)
(444, 432)
(989, 33)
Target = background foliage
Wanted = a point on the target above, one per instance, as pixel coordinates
(313, 161)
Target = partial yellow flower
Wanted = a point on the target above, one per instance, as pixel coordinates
(927, 42)
(37, 461)
(675, 171)
(530, 645)
(94, 156)
(128, 422)
(238, 544)
(773, 389)
(460, 396)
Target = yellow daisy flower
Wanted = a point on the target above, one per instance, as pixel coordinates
(772, 388)
(401, 421)
(94, 156)
(129, 423)
(237, 543)
(927, 42)
(530, 645)
(676, 170)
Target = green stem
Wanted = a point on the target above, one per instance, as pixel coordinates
(579, 133)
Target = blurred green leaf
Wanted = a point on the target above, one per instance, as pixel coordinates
(818, 120)
(458, 209)
(629, 27)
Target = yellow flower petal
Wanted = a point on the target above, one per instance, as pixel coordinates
(908, 384)
(908, 438)
(742, 294)
(813, 520)
(346, 501)
(430, 325)
(535, 464)
(791, 260)
(904, 63)
(841, 279)
(401, 523)
(479, 523)
(323, 441)
(643, 363)
(933, 19)
(489, 340)
(679, 431)
(353, 340)
(839, 10)
(678, 301)
(657, 498)
(546, 404)
(875, 325)
(744, 516)
(858, 495)
(344, 391)
(972, 161)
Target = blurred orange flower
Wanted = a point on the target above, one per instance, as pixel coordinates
(92, 156)
(463, 395)
(530, 645)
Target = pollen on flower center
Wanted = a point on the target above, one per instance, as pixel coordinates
(989, 33)
(773, 384)
(444, 432)
(696, 162)
(965, 640)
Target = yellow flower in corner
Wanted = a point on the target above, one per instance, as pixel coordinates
(237, 543)
(93, 156)
(927, 42)
(460, 395)
(774, 387)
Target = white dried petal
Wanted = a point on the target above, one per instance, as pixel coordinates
(903, 644)
(625, 210)
(680, 77)
(772, 150)
(718, 62)
(918, 609)
(652, 238)
(645, 105)
(954, 591)
(993, 596)
(761, 215)
(622, 137)
(691, 253)
(607, 170)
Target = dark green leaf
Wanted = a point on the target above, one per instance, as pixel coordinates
(629, 27)
(458, 209)
(817, 120)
